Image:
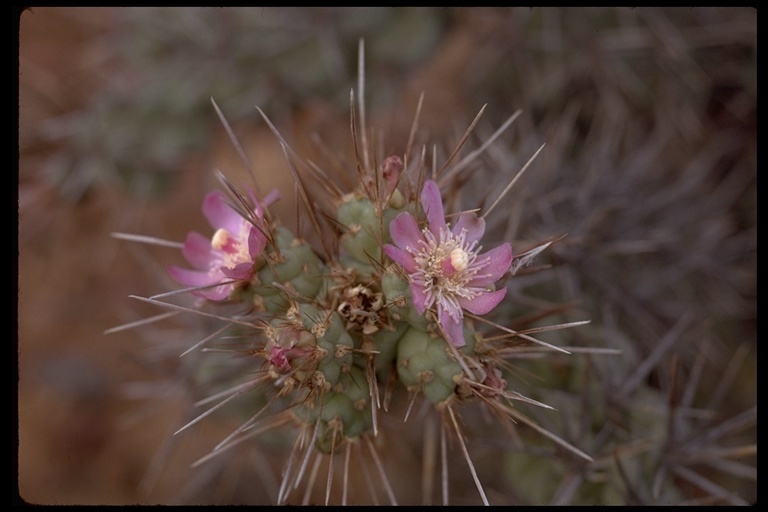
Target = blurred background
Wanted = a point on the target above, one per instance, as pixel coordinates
(649, 119)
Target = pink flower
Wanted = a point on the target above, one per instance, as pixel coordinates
(444, 266)
(228, 257)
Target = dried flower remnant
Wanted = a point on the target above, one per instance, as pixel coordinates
(444, 266)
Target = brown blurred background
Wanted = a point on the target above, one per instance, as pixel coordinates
(117, 134)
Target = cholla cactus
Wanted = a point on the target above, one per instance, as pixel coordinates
(396, 304)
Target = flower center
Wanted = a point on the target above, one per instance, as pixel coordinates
(459, 259)
(445, 268)
(233, 250)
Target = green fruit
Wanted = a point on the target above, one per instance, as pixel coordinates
(332, 338)
(346, 411)
(397, 292)
(424, 363)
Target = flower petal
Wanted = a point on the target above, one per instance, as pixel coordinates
(484, 302)
(193, 277)
(218, 293)
(243, 271)
(419, 298)
(219, 213)
(197, 251)
(196, 278)
(433, 207)
(256, 242)
(404, 231)
(401, 257)
(492, 265)
(258, 206)
(274, 195)
(453, 330)
(474, 225)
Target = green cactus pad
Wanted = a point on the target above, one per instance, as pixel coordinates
(424, 363)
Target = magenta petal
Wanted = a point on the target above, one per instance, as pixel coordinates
(242, 271)
(219, 213)
(493, 264)
(400, 257)
(404, 231)
(192, 277)
(197, 251)
(270, 198)
(256, 242)
(453, 330)
(484, 302)
(195, 278)
(433, 207)
(474, 225)
(218, 293)
(258, 206)
(419, 298)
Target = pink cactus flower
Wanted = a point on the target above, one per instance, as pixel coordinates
(228, 257)
(444, 266)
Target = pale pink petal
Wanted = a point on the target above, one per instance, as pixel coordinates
(419, 298)
(219, 213)
(270, 198)
(242, 271)
(493, 264)
(193, 277)
(256, 242)
(474, 225)
(404, 231)
(484, 302)
(218, 293)
(453, 330)
(259, 206)
(400, 257)
(433, 207)
(197, 251)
